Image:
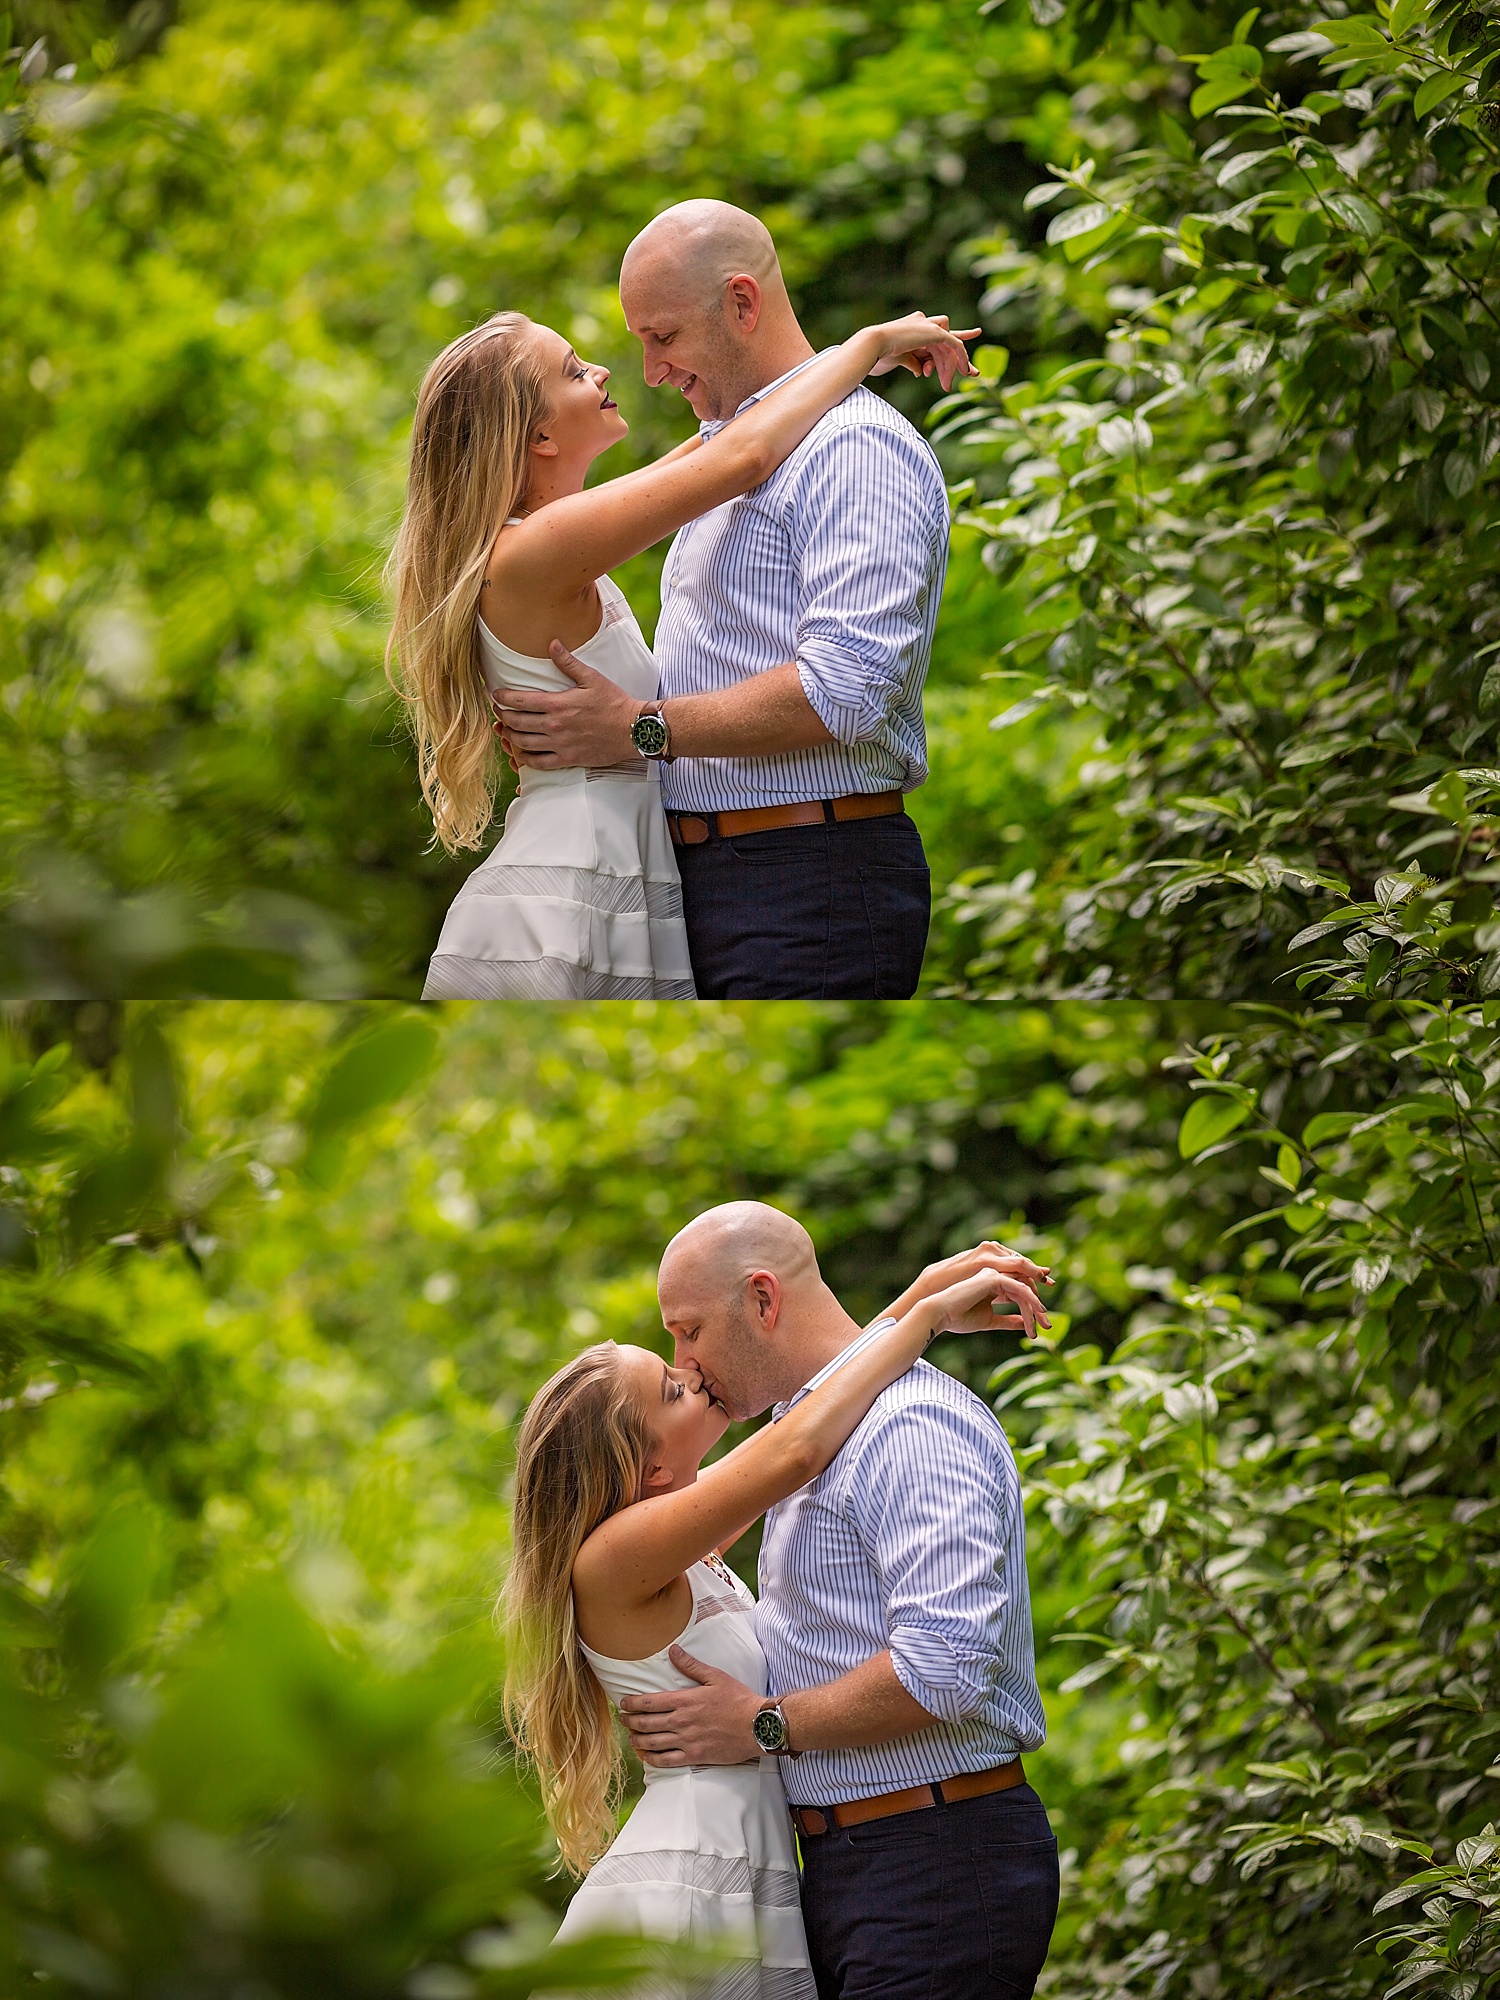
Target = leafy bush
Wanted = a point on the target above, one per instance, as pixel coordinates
(258, 1807)
(1285, 1479)
(1253, 522)
(1455, 1938)
(275, 1811)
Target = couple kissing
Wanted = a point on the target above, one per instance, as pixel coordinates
(869, 1713)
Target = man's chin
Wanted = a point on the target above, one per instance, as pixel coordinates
(701, 401)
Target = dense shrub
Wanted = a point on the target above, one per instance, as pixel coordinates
(1253, 526)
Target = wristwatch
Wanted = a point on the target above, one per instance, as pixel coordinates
(770, 1732)
(651, 733)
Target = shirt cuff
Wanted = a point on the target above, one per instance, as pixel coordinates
(849, 715)
(933, 1673)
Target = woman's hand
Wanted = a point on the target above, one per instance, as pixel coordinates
(948, 1270)
(976, 1305)
(923, 344)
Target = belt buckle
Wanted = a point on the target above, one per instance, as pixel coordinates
(692, 829)
(809, 1820)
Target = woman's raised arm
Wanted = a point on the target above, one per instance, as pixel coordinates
(565, 546)
(634, 1554)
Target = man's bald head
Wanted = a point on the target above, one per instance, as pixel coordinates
(691, 251)
(702, 291)
(742, 1296)
(727, 1245)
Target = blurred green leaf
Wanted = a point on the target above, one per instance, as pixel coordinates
(375, 1069)
(106, 1602)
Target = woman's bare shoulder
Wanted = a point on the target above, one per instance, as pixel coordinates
(622, 1630)
(522, 611)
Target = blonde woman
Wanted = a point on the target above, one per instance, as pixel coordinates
(501, 554)
(619, 1533)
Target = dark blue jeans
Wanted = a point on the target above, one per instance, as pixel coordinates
(956, 1903)
(809, 912)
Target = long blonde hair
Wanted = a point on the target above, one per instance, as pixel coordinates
(581, 1457)
(479, 408)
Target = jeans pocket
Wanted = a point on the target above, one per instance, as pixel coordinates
(1017, 1888)
(898, 909)
(795, 847)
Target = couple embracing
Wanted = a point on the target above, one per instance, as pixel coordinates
(870, 1712)
(723, 819)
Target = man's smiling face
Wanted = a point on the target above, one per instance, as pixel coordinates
(685, 343)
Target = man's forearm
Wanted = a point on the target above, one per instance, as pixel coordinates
(754, 718)
(867, 1705)
(713, 1722)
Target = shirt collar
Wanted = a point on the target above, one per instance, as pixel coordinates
(711, 428)
(859, 1343)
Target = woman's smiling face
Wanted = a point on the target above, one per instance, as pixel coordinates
(585, 420)
(684, 1420)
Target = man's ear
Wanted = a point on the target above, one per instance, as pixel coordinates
(742, 303)
(765, 1298)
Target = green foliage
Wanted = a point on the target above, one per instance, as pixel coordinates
(274, 1812)
(376, 1068)
(1253, 519)
(258, 1804)
(1285, 1479)
(1454, 1942)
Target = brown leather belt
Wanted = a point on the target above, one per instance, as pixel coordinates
(692, 829)
(812, 1820)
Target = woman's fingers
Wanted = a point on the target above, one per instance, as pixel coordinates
(975, 1304)
(1032, 1312)
(1007, 1288)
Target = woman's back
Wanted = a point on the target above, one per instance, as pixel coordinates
(720, 1632)
(706, 1858)
(581, 898)
(617, 649)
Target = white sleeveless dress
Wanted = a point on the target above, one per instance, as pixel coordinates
(581, 899)
(707, 1857)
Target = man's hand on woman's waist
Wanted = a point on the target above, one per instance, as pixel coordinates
(711, 1723)
(589, 724)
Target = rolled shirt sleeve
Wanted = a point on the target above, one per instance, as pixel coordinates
(937, 1504)
(868, 529)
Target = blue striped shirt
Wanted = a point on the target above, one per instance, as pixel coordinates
(836, 561)
(914, 1539)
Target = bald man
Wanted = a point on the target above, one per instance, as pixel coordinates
(793, 644)
(896, 1623)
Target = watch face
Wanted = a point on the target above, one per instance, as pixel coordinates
(770, 1730)
(648, 734)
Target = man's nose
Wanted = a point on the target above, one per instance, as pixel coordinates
(655, 370)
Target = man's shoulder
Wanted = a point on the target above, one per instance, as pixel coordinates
(928, 1397)
(864, 418)
(863, 410)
